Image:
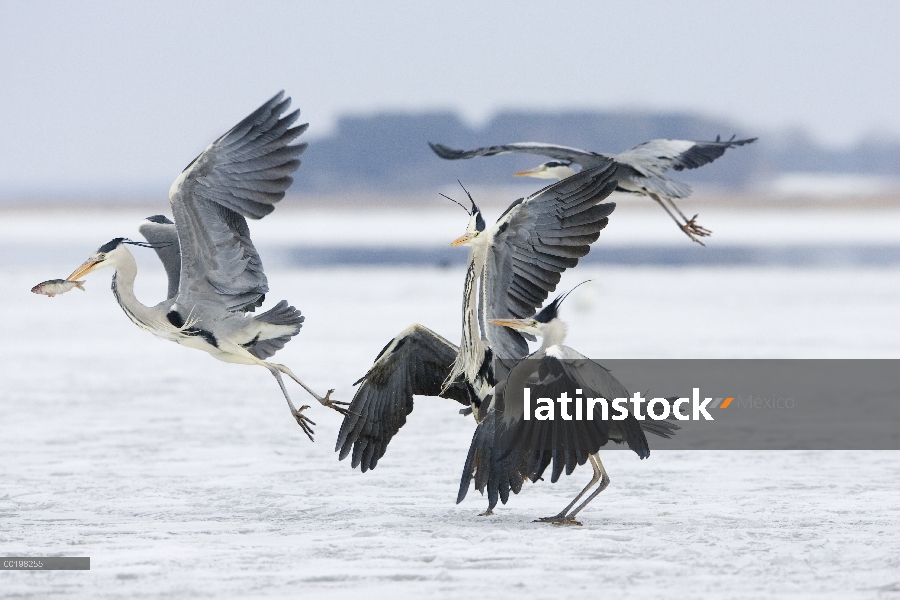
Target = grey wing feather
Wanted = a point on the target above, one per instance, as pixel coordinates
(491, 467)
(584, 158)
(416, 362)
(646, 163)
(682, 154)
(566, 443)
(242, 174)
(161, 232)
(280, 314)
(534, 241)
(602, 382)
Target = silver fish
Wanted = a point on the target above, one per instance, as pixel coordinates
(53, 287)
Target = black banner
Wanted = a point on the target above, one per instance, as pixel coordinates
(715, 404)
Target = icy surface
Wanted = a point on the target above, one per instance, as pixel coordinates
(184, 477)
(636, 221)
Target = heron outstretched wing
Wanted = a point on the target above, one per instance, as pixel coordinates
(679, 154)
(566, 443)
(586, 159)
(497, 470)
(647, 163)
(162, 234)
(416, 362)
(242, 174)
(533, 242)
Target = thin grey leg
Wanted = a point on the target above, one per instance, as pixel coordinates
(302, 420)
(324, 401)
(604, 483)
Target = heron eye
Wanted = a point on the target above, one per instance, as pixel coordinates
(102, 256)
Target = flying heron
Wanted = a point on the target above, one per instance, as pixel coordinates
(523, 447)
(516, 263)
(641, 169)
(215, 274)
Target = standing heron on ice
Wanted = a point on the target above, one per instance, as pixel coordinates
(215, 274)
(641, 169)
(523, 447)
(516, 264)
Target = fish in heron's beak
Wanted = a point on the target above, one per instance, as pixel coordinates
(54, 287)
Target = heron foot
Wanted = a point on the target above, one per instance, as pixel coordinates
(559, 520)
(304, 422)
(694, 230)
(334, 404)
(486, 513)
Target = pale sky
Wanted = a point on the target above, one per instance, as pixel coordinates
(114, 95)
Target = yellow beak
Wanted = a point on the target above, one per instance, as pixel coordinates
(462, 239)
(512, 323)
(528, 173)
(84, 269)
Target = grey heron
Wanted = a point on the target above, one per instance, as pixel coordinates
(215, 274)
(642, 168)
(523, 447)
(516, 264)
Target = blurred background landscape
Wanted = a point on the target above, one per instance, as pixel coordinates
(106, 103)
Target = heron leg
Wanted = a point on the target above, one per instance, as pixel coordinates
(563, 518)
(689, 227)
(690, 224)
(302, 419)
(324, 401)
(604, 483)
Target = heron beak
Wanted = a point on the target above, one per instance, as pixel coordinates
(511, 323)
(528, 173)
(84, 269)
(462, 239)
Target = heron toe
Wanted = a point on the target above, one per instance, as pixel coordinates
(303, 421)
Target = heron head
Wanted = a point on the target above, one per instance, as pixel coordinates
(545, 323)
(475, 227)
(554, 169)
(530, 325)
(105, 256)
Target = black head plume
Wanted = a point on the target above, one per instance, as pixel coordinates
(114, 243)
(146, 244)
(551, 311)
(455, 202)
(476, 212)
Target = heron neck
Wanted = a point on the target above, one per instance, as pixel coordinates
(123, 290)
(472, 348)
(554, 334)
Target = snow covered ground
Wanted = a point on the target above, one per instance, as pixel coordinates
(184, 477)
